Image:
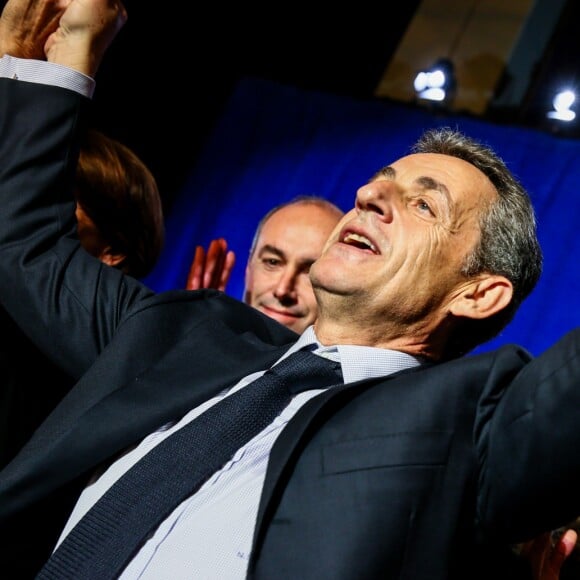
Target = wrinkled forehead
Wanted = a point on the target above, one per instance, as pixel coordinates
(459, 179)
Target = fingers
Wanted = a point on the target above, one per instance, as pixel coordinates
(85, 31)
(228, 266)
(565, 545)
(219, 265)
(211, 269)
(196, 270)
(538, 552)
(214, 263)
(25, 25)
(550, 560)
(73, 33)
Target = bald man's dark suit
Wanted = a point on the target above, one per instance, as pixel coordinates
(412, 476)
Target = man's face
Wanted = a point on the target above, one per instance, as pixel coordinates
(277, 274)
(394, 261)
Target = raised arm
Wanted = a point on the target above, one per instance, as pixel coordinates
(59, 295)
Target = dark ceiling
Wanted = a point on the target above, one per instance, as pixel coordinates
(167, 78)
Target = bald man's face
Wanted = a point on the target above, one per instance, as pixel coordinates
(277, 274)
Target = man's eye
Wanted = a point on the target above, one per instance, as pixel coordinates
(271, 262)
(424, 206)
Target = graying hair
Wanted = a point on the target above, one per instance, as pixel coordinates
(508, 244)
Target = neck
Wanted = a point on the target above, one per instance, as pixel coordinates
(409, 340)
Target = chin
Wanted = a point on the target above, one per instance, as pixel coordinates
(328, 277)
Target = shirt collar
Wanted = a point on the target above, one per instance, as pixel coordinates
(358, 362)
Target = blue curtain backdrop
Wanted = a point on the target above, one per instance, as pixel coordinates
(274, 142)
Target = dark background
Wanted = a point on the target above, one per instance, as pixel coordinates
(165, 80)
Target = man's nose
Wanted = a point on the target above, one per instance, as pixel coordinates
(378, 197)
(286, 287)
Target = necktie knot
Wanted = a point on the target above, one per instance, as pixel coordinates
(304, 370)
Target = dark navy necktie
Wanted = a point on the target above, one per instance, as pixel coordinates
(111, 532)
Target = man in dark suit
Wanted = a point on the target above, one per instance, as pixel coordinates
(425, 464)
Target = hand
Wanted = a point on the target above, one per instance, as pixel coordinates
(211, 270)
(85, 31)
(546, 559)
(25, 26)
(73, 33)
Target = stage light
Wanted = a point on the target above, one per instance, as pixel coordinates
(562, 103)
(436, 84)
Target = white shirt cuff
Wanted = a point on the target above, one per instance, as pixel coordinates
(46, 73)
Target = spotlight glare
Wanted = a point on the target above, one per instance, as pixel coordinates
(562, 103)
(437, 78)
(420, 82)
(433, 94)
(436, 84)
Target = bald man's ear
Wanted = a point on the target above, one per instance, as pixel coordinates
(483, 298)
(111, 259)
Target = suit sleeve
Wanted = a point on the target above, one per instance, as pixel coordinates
(65, 300)
(528, 437)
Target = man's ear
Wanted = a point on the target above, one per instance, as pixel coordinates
(483, 297)
(108, 257)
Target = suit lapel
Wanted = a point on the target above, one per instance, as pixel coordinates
(289, 440)
(282, 452)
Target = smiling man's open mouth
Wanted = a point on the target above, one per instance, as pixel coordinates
(359, 241)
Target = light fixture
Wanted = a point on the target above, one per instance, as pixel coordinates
(437, 84)
(562, 102)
